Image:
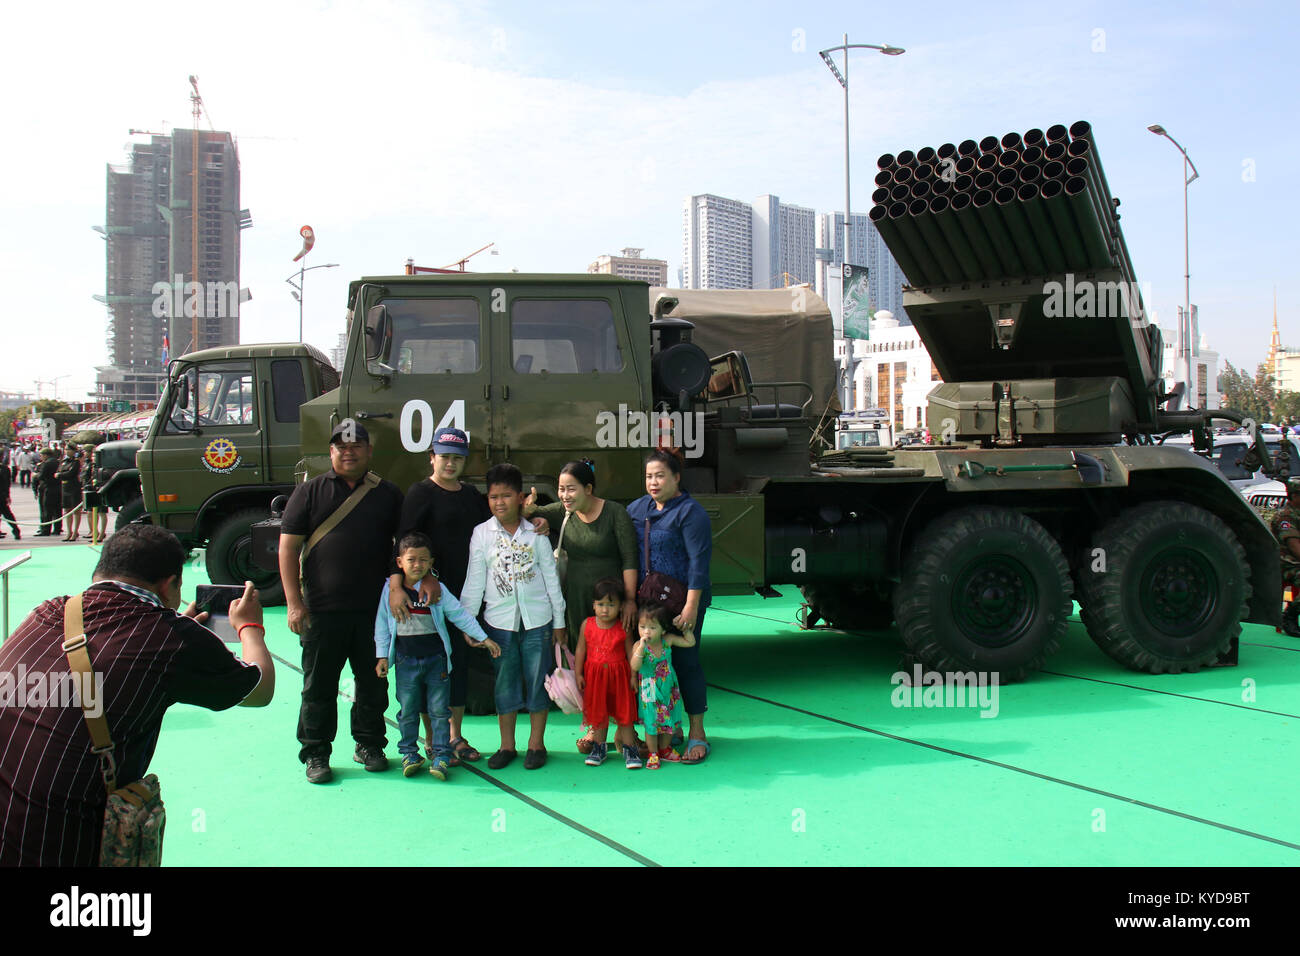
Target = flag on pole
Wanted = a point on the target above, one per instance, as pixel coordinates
(165, 349)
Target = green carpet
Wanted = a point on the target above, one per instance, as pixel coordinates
(1086, 763)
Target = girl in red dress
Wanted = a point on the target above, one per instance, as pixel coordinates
(605, 676)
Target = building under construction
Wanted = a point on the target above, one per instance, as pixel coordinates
(156, 284)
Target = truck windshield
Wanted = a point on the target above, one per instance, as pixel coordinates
(217, 395)
(432, 336)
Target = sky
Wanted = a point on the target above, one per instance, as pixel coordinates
(565, 130)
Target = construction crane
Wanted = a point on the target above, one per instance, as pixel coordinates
(457, 266)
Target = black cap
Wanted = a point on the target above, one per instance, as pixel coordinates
(348, 431)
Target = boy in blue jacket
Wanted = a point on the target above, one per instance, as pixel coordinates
(421, 656)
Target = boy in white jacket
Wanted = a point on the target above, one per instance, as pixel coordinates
(513, 569)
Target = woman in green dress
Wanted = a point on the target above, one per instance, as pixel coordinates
(600, 543)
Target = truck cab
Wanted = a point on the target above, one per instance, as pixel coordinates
(224, 443)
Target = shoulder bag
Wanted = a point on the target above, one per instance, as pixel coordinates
(562, 556)
(134, 818)
(371, 480)
(661, 588)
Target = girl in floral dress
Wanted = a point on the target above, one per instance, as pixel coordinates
(660, 697)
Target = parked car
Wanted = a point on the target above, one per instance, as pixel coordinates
(1229, 450)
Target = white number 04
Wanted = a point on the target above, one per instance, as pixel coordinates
(453, 418)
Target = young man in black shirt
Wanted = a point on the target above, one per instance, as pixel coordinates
(333, 613)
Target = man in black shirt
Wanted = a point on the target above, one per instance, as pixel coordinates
(342, 576)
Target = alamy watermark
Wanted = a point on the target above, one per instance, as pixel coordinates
(945, 689)
(1089, 299)
(204, 300)
(628, 428)
(24, 688)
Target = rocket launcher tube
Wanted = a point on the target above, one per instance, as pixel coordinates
(978, 239)
(997, 232)
(1052, 193)
(941, 212)
(1018, 228)
(1044, 235)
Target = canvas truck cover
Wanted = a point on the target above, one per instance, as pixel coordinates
(786, 334)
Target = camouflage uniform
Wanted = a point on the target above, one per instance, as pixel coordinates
(1286, 528)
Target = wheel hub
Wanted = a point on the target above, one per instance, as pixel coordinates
(1179, 592)
(994, 601)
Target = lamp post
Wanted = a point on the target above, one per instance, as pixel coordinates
(1185, 325)
(843, 79)
(298, 293)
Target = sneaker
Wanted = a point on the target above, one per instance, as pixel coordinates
(632, 758)
(534, 759)
(318, 770)
(439, 769)
(411, 765)
(373, 758)
(598, 754)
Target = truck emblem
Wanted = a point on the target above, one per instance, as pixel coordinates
(221, 456)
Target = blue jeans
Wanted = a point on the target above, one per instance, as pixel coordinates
(423, 687)
(526, 658)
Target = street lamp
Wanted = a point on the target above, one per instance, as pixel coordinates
(298, 289)
(1185, 325)
(843, 79)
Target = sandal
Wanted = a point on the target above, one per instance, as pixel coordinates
(463, 750)
(585, 743)
(668, 755)
(652, 762)
(691, 745)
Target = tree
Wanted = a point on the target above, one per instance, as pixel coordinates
(1245, 394)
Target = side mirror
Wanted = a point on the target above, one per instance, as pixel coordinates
(728, 377)
(379, 332)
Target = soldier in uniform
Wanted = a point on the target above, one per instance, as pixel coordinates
(1286, 528)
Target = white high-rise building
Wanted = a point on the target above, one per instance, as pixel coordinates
(784, 243)
(866, 248)
(717, 243)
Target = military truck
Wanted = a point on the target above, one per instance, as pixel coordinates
(223, 444)
(1054, 490)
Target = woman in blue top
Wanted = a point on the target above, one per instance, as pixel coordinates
(681, 546)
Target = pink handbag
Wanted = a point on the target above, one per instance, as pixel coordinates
(562, 684)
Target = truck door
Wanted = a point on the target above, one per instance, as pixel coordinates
(282, 384)
(563, 370)
(209, 440)
(439, 376)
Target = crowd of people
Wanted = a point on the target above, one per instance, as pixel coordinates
(392, 585)
(62, 478)
(412, 610)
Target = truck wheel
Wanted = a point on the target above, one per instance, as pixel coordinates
(230, 557)
(1172, 591)
(847, 607)
(986, 590)
(130, 511)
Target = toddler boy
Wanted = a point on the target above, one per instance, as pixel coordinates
(421, 656)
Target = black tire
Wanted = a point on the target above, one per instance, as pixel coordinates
(984, 589)
(230, 556)
(848, 607)
(132, 510)
(1174, 590)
